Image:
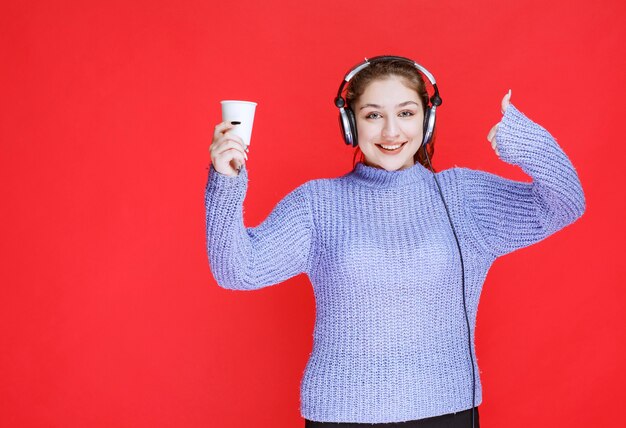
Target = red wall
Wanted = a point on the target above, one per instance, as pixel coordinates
(109, 316)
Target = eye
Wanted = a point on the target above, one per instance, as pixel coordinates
(406, 113)
(371, 115)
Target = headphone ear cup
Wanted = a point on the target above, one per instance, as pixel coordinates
(348, 126)
(429, 125)
(353, 131)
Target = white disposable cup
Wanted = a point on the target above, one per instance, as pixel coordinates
(239, 111)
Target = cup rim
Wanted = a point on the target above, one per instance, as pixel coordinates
(238, 101)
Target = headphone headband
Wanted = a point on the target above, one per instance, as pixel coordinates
(340, 102)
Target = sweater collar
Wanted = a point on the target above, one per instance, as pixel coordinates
(379, 177)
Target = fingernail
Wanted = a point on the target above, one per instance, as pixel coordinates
(235, 122)
(245, 155)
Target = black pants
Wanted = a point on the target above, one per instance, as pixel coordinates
(451, 420)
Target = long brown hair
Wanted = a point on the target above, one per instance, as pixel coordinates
(381, 70)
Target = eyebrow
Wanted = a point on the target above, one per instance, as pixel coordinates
(406, 103)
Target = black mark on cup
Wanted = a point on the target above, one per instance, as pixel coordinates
(235, 122)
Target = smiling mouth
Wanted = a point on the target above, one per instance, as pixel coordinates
(391, 151)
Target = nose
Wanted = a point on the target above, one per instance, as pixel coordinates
(390, 130)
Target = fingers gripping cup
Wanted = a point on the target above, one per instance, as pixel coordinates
(242, 112)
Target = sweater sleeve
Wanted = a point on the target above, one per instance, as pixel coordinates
(250, 258)
(510, 214)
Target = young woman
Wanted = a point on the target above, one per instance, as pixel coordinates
(397, 254)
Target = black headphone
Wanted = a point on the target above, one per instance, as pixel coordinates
(347, 119)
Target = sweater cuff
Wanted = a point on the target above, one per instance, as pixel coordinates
(519, 139)
(225, 186)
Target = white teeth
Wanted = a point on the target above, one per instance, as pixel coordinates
(390, 147)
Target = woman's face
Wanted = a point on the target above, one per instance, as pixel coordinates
(391, 114)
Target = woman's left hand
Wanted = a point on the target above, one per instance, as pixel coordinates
(491, 137)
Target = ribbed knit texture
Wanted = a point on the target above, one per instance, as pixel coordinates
(390, 340)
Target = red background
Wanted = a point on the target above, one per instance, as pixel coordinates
(109, 316)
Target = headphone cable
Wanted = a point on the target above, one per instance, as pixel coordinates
(469, 334)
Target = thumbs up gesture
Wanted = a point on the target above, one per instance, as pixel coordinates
(491, 137)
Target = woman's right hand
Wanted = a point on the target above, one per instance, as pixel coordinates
(227, 150)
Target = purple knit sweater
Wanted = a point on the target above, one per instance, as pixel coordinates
(390, 340)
